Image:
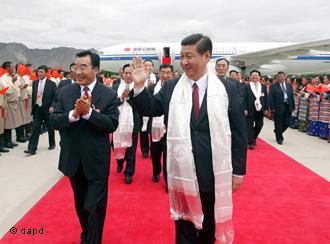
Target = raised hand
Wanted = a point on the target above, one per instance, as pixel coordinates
(139, 74)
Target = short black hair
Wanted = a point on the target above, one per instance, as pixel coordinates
(255, 70)
(163, 66)
(95, 58)
(6, 64)
(280, 73)
(220, 59)
(233, 71)
(44, 67)
(202, 42)
(125, 66)
(148, 60)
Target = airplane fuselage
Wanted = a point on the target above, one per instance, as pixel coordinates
(115, 57)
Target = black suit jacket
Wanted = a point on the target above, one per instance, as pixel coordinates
(136, 115)
(86, 142)
(48, 95)
(60, 85)
(276, 98)
(240, 89)
(250, 99)
(158, 105)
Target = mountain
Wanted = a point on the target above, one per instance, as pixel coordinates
(55, 57)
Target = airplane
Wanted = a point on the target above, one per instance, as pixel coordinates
(268, 58)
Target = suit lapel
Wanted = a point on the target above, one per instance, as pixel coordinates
(46, 87)
(251, 92)
(96, 94)
(76, 93)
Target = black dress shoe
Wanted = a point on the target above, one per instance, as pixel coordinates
(280, 142)
(51, 147)
(3, 150)
(21, 140)
(14, 144)
(30, 151)
(8, 145)
(155, 178)
(128, 179)
(119, 168)
(144, 156)
(83, 238)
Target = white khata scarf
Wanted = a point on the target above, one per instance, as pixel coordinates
(153, 79)
(158, 128)
(122, 137)
(183, 186)
(256, 89)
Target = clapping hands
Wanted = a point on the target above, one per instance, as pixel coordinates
(82, 106)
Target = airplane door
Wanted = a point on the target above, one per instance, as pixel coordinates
(166, 56)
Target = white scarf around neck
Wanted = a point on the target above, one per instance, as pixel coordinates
(122, 137)
(158, 128)
(183, 186)
(257, 94)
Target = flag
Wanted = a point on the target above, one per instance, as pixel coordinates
(56, 74)
(4, 90)
(33, 76)
(49, 73)
(22, 70)
(2, 71)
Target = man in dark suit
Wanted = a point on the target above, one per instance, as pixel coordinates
(158, 148)
(87, 112)
(222, 67)
(130, 154)
(66, 82)
(196, 51)
(62, 84)
(255, 101)
(145, 126)
(281, 101)
(43, 95)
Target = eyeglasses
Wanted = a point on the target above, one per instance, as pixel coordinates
(221, 65)
(83, 67)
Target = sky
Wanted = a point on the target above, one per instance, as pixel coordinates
(100, 23)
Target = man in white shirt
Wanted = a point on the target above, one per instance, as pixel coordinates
(43, 95)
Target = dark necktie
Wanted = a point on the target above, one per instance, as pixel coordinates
(86, 89)
(196, 100)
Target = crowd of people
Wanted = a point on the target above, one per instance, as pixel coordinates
(87, 108)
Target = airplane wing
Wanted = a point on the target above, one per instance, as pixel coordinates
(286, 52)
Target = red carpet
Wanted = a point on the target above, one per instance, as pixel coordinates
(280, 202)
